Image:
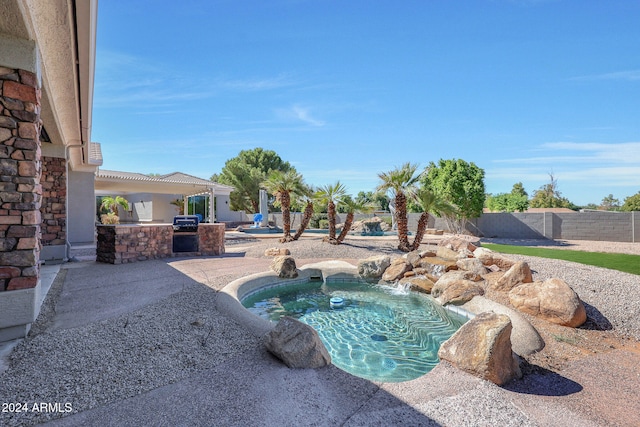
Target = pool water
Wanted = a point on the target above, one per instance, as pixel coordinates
(376, 332)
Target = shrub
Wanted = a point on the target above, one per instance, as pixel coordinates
(323, 224)
(315, 220)
(110, 218)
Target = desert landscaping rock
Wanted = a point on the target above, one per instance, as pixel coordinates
(373, 267)
(525, 339)
(489, 258)
(396, 270)
(418, 283)
(448, 254)
(277, 252)
(459, 243)
(552, 300)
(482, 347)
(457, 291)
(297, 344)
(473, 265)
(285, 267)
(437, 266)
(517, 274)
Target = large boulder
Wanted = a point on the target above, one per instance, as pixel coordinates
(373, 267)
(517, 274)
(458, 243)
(285, 267)
(472, 265)
(417, 283)
(489, 258)
(482, 347)
(297, 344)
(455, 291)
(413, 258)
(446, 253)
(552, 300)
(396, 270)
(437, 266)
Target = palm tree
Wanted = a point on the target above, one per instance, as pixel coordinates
(179, 204)
(282, 185)
(429, 202)
(400, 182)
(308, 212)
(352, 206)
(331, 195)
(111, 204)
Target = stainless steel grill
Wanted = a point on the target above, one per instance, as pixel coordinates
(185, 233)
(185, 223)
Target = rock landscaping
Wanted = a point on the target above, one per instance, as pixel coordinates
(456, 273)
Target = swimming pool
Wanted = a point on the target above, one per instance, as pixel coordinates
(375, 332)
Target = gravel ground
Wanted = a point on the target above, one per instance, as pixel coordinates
(169, 340)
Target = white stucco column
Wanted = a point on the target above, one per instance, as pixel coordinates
(186, 204)
(212, 210)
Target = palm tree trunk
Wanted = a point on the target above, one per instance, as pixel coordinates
(422, 227)
(331, 214)
(308, 213)
(285, 202)
(401, 220)
(345, 228)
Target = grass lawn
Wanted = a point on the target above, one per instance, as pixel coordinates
(621, 262)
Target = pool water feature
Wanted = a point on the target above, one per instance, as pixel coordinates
(375, 332)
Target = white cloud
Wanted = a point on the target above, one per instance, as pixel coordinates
(300, 113)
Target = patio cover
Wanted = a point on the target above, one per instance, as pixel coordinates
(115, 182)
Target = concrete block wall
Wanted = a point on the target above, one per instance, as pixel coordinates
(602, 226)
(605, 226)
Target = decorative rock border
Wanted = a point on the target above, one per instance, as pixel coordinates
(524, 337)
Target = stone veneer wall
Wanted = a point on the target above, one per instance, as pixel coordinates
(121, 244)
(20, 190)
(54, 194)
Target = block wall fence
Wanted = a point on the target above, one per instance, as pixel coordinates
(599, 226)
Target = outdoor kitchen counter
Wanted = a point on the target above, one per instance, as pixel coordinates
(124, 243)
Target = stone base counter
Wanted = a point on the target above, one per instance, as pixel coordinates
(124, 243)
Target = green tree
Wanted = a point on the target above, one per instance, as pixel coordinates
(282, 185)
(331, 195)
(377, 200)
(401, 183)
(518, 189)
(632, 203)
(461, 184)
(507, 202)
(246, 172)
(548, 196)
(610, 203)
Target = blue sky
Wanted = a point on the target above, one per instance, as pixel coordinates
(347, 89)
